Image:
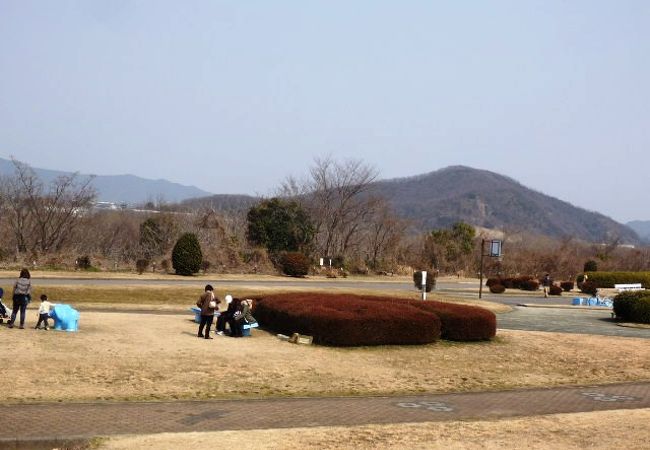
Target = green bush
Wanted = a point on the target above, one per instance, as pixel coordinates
(187, 255)
(294, 264)
(431, 280)
(609, 279)
(566, 286)
(497, 288)
(554, 290)
(633, 306)
(590, 266)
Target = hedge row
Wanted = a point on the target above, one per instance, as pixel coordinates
(524, 283)
(351, 320)
(633, 306)
(609, 279)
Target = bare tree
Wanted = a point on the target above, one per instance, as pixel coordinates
(337, 196)
(43, 218)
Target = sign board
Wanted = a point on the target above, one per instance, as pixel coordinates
(321, 262)
(495, 248)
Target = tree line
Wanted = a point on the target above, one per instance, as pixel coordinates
(331, 212)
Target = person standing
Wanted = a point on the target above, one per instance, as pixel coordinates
(22, 296)
(546, 283)
(44, 313)
(208, 303)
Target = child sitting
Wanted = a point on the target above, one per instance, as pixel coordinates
(44, 313)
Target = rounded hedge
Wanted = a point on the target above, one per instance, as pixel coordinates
(609, 279)
(294, 264)
(554, 289)
(497, 288)
(566, 285)
(633, 306)
(352, 320)
(187, 255)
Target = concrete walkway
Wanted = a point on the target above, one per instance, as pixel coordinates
(57, 422)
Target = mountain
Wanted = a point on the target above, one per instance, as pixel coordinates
(486, 199)
(122, 188)
(642, 228)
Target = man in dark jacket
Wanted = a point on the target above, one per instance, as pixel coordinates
(208, 303)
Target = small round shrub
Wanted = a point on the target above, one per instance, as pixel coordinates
(530, 285)
(590, 266)
(431, 280)
(294, 264)
(187, 255)
(554, 289)
(497, 289)
(633, 306)
(566, 286)
(492, 281)
(141, 265)
(589, 287)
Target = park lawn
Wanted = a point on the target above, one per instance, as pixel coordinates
(602, 430)
(127, 356)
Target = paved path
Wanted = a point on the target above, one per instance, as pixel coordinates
(84, 420)
(567, 321)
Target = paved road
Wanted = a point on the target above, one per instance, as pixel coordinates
(54, 421)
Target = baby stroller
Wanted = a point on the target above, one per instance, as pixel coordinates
(3, 308)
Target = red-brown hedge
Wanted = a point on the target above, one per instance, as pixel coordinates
(351, 320)
(554, 289)
(497, 288)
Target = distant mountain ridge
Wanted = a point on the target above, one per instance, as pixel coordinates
(122, 188)
(642, 228)
(487, 199)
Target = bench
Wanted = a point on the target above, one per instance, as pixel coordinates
(197, 314)
(628, 287)
(247, 327)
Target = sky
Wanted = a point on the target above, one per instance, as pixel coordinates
(234, 96)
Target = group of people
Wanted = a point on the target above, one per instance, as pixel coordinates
(22, 296)
(236, 316)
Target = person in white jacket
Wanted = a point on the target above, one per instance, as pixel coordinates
(44, 313)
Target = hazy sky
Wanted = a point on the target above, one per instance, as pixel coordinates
(232, 96)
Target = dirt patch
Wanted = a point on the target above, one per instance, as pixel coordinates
(567, 431)
(118, 356)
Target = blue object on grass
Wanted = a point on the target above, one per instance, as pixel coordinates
(197, 314)
(65, 317)
(577, 301)
(246, 328)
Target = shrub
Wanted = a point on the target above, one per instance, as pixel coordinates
(590, 266)
(141, 265)
(431, 280)
(566, 286)
(633, 306)
(530, 285)
(554, 289)
(609, 279)
(294, 264)
(347, 320)
(497, 289)
(341, 319)
(205, 265)
(83, 262)
(462, 322)
(492, 281)
(187, 255)
(589, 287)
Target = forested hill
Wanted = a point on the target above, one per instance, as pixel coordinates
(479, 197)
(642, 228)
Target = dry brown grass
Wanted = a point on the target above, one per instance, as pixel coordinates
(595, 430)
(141, 356)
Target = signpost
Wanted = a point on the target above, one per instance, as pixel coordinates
(424, 285)
(495, 252)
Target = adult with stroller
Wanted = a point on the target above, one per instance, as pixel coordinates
(22, 296)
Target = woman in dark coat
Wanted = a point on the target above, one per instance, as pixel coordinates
(208, 303)
(22, 296)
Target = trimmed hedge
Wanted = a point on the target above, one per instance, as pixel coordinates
(566, 285)
(294, 264)
(609, 279)
(353, 320)
(633, 306)
(554, 289)
(497, 288)
(589, 287)
(347, 320)
(524, 283)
